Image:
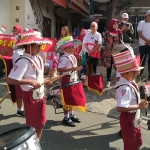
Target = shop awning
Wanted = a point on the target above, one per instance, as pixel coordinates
(61, 3)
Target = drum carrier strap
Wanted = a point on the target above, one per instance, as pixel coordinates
(67, 58)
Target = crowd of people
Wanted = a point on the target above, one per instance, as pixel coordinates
(29, 65)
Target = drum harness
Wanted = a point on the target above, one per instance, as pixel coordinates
(73, 76)
(37, 93)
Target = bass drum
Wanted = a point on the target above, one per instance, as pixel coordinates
(23, 138)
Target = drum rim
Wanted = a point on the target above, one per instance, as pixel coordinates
(18, 140)
(70, 83)
(94, 74)
(54, 87)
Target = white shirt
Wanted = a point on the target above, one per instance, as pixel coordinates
(89, 38)
(16, 54)
(125, 95)
(144, 27)
(65, 62)
(23, 69)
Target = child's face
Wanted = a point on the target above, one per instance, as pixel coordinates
(69, 49)
(15, 31)
(131, 75)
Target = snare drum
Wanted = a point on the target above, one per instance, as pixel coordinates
(20, 139)
(95, 83)
(55, 90)
(73, 95)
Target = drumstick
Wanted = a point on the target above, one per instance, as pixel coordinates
(4, 97)
(54, 79)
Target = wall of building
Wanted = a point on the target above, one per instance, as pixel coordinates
(30, 21)
(50, 14)
(5, 15)
(9, 14)
(17, 14)
(136, 3)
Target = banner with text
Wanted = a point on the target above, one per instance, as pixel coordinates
(49, 47)
(6, 44)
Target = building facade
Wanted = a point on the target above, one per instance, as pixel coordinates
(47, 16)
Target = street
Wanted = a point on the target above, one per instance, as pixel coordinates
(97, 130)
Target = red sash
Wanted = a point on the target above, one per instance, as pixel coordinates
(96, 53)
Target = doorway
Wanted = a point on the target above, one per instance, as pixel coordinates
(46, 27)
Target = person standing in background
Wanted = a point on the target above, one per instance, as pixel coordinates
(92, 42)
(127, 29)
(143, 30)
(64, 33)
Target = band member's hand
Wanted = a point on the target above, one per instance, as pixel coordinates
(35, 84)
(79, 68)
(143, 104)
(48, 82)
(76, 68)
(147, 42)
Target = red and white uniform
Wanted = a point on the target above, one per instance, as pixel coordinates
(16, 54)
(35, 110)
(91, 41)
(67, 61)
(126, 96)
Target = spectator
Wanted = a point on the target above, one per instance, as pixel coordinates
(112, 37)
(143, 30)
(92, 42)
(127, 29)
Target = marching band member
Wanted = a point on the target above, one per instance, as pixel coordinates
(128, 99)
(17, 31)
(92, 42)
(28, 73)
(67, 64)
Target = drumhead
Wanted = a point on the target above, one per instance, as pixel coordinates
(94, 74)
(70, 83)
(13, 138)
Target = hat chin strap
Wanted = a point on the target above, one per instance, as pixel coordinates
(30, 52)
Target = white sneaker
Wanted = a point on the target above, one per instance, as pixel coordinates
(108, 84)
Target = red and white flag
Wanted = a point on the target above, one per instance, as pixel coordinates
(3, 28)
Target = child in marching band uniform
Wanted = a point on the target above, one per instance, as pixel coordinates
(28, 72)
(128, 99)
(17, 31)
(67, 64)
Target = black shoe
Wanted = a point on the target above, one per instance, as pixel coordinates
(119, 133)
(75, 119)
(20, 113)
(68, 122)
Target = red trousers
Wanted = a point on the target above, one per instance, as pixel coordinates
(19, 92)
(131, 136)
(35, 111)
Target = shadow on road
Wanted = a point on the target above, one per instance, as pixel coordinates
(11, 126)
(83, 139)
